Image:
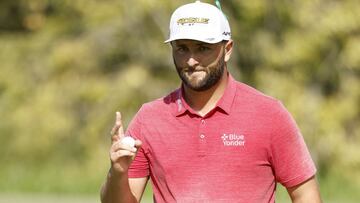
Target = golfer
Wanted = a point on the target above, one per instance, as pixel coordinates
(214, 139)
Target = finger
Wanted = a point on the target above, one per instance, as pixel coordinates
(120, 154)
(120, 130)
(114, 134)
(121, 146)
(115, 130)
(117, 124)
(138, 144)
(118, 118)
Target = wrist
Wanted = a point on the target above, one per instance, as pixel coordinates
(116, 174)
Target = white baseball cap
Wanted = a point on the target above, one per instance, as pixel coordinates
(199, 21)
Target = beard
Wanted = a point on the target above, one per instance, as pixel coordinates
(212, 77)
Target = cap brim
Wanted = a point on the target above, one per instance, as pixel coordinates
(214, 41)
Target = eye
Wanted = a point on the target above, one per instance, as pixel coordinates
(204, 48)
(181, 49)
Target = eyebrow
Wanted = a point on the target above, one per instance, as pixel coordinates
(198, 44)
(203, 43)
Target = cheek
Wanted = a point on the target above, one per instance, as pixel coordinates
(211, 64)
(211, 59)
(178, 63)
(178, 60)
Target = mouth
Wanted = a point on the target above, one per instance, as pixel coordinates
(195, 74)
(193, 70)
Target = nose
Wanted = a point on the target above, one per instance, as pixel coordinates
(192, 62)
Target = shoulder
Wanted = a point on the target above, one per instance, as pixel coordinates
(159, 105)
(253, 98)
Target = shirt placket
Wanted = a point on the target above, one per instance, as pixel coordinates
(202, 137)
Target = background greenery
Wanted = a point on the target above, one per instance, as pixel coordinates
(68, 65)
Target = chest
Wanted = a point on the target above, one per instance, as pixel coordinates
(208, 145)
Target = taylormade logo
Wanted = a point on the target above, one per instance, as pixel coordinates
(192, 21)
(233, 139)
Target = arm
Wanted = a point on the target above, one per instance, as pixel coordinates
(305, 192)
(122, 189)
(118, 187)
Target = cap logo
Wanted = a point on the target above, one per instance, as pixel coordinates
(192, 21)
(226, 33)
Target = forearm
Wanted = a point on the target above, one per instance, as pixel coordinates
(313, 198)
(305, 192)
(116, 189)
(310, 196)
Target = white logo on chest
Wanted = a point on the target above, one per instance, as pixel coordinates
(233, 139)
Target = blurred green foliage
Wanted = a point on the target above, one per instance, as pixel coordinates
(67, 66)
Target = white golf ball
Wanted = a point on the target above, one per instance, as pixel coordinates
(128, 141)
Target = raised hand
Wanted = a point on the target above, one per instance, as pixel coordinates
(121, 154)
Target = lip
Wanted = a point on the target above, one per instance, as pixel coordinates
(195, 73)
(195, 70)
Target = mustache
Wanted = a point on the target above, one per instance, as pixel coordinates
(188, 68)
(193, 69)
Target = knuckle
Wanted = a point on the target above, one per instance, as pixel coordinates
(121, 153)
(113, 147)
(113, 157)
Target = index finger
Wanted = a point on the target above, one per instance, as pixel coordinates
(117, 131)
(118, 122)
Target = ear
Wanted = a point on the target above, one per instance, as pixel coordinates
(228, 50)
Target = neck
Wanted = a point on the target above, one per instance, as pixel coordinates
(204, 101)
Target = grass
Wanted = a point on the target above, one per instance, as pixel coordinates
(281, 197)
(332, 191)
(19, 185)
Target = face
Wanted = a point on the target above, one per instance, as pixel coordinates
(200, 65)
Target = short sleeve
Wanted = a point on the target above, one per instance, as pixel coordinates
(140, 166)
(290, 157)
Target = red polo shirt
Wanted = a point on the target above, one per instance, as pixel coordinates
(235, 153)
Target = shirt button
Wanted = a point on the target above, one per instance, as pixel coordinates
(202, 136)
(202, 121)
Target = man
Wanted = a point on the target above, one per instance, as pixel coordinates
(213, 139)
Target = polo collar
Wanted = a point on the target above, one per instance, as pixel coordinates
(225, 102)
(181, 105)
